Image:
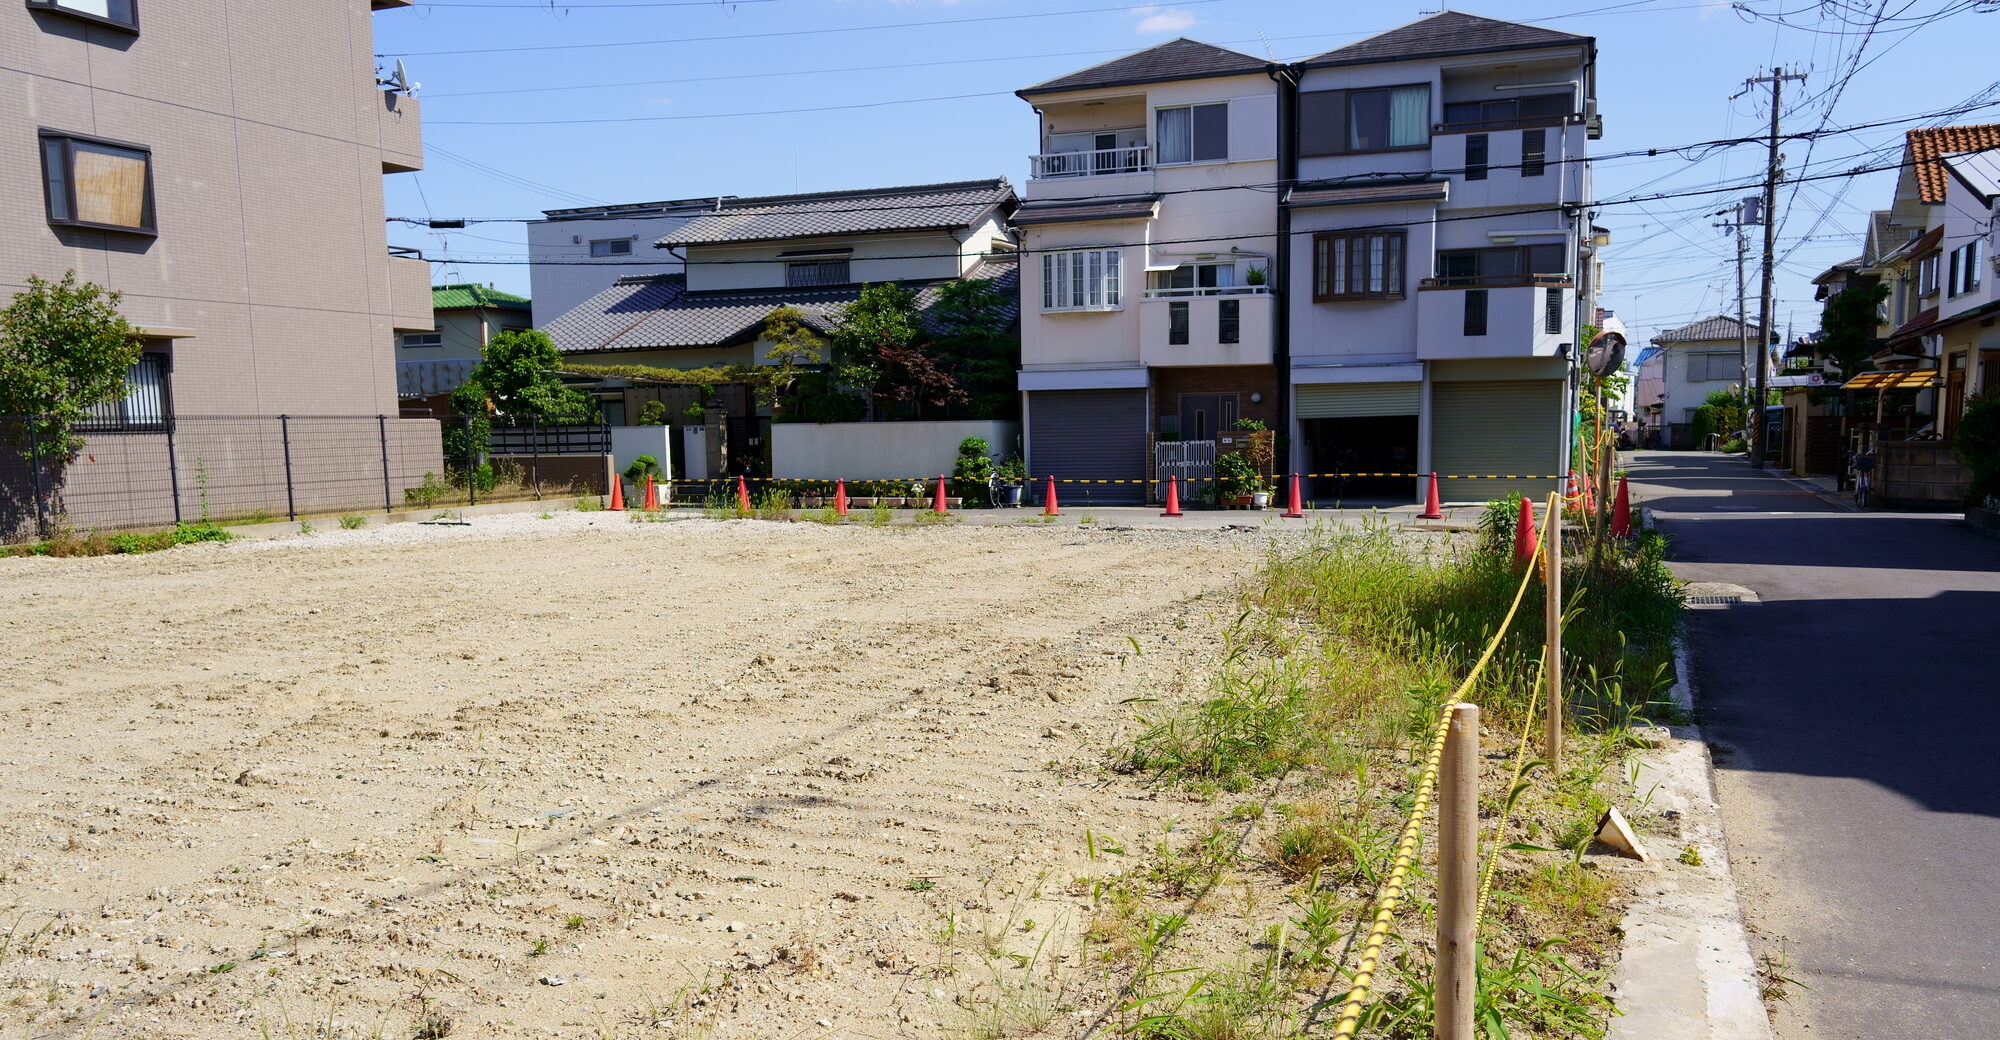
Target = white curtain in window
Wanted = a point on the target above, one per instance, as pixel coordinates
(1096, 279)
(1048, 281)
(1111, 278)
(1175, 136)
(1409, 116)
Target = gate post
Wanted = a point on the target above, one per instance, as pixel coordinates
(382, 434)
(173, 472)
(285, 432)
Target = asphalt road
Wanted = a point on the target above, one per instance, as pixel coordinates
(1857, 736)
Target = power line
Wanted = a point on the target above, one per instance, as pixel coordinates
(1127, 8)
(1486, 215)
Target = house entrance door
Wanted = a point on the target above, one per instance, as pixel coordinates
(1205, 415)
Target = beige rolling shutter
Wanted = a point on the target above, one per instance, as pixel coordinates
(1481, 432)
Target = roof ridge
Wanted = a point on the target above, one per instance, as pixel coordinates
(940, 188)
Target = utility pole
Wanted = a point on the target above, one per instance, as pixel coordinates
(1777, 80)
(1740, 214)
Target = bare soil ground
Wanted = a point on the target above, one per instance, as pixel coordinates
(573, 776)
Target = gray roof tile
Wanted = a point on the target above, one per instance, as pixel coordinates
(658, 313)
(958, 204)
(1441, 35)
(1173, 60)
(1355, 194)
(1707, 330)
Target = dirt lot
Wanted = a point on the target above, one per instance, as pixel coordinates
(570, 776)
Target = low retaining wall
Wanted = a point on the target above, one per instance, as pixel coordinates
(875, 451)
(1921, 474)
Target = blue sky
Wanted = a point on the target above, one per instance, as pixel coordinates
(526, 108)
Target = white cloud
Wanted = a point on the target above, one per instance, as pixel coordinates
(1162, 19)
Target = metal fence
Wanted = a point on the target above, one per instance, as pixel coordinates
(245, 469)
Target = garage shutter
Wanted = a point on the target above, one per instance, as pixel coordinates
(1095, 434)
(1497, 427)
(1341, 400)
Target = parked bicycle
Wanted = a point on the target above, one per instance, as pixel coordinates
(1862, 465)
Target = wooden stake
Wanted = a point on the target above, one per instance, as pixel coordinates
(1458, 876)
(1552, 728)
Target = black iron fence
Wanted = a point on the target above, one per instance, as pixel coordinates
(247, 469)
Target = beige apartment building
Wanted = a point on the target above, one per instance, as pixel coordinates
(220, 164)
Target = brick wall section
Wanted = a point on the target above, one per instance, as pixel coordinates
(1242, 380)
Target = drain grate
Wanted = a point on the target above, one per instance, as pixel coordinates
(1713, 601)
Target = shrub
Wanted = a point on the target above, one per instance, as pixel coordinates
(1977, 444)
(972, 471)
(1704, 420)
(653, 413)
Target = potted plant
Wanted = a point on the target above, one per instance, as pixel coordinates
(1237, 480)
(642, 466)
(1010, 476)
(1260, 448)
(1255, 276)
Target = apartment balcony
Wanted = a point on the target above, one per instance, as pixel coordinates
(1507, 316)
(401, 132)
(1216, 326)
(410, 291)
(1097, 162)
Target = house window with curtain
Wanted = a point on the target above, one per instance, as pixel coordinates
(1927, 275)
(1534, 152)
(145, 407)
(1082, 280)
(1193, 133)
(1965, 263)
(98, 184)
(1193, 279)
(1341, 122)
(1358, 265)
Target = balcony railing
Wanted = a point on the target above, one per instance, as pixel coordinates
(1208, 290)
(1098, 162)
(1496, 281)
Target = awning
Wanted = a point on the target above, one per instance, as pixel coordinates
(1922, 379)
(1322, 194)
(1067, 211)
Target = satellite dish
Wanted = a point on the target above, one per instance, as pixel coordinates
(401, 79)
(1606, 354)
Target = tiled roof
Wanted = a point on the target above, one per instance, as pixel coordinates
(1708, 330)
(1916, 326)
(1069, 211)
(1929, 147)
(468, 294)
(1173, 60)
(1444, 34)
(1402, 190)
(958, 204)
(658, 313)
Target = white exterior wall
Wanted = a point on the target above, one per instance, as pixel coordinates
(1684, 395)
(880, 451)
(1199, 217)
(1968, 217)
(875, 258)
(564, 273)
(1358, 333)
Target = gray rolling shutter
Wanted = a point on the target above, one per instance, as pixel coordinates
(1340, 400)
(1093, 434)
(1495, 428)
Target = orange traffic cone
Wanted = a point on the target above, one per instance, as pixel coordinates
(1173, 496)
(617, 495)
(1292, 510)
(1621, 511)
(1049, 507)
(1525, 542)
(840, 497)
(652, 495)
(1433, 510)
(937, 500)
(742, 494)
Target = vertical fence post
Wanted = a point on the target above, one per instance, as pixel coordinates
(535, 448)
(382, 434)
(1552, 726)
(173, 472)
(1458, 876)
(471, 463)
(285, 432)
(41, 502)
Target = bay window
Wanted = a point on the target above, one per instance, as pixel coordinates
(1358, 265)
(1082, 280)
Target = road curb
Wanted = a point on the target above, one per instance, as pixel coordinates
(1685, 971)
